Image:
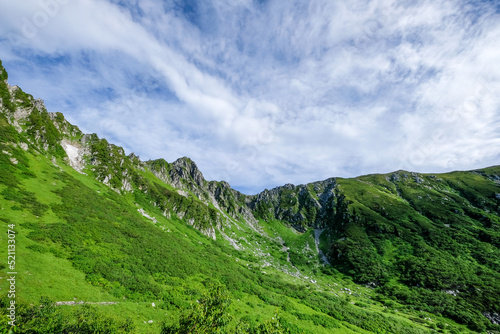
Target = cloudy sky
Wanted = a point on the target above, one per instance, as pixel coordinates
(266, 92)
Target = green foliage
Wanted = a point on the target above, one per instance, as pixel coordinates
(45, 317)
(3, 73)
(121, 252)
(110, 163)
(264, 210)
(5, 96)
(167, 200)
(8, 133)
(59, 118)
(318, 319)
(41, 126)
(275, 325)
(25, 99)
(26, 199)
(437, 238)
(8, 172)
(159, 165)
(208, 315)
(290, 204)
(211, 314)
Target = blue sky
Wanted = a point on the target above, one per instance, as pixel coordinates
(263, 93)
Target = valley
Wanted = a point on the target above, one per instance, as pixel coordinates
(107, 243)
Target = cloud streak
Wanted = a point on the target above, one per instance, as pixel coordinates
(272, 92)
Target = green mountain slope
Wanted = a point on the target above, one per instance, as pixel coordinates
(431, 241)
(121, 245)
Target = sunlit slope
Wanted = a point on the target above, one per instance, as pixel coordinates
(431, 241)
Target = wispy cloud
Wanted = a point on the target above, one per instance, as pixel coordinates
(269, 92)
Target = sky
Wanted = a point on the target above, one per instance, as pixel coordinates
(261, 93)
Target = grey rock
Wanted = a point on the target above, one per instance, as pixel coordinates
(493, 317)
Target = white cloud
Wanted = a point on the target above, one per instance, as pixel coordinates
(270, 93)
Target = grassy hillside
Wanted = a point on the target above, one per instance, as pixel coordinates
(430, 241)
(119, 245)
(78, 240)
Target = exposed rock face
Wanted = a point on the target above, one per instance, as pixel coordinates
(21, 113)
(184, 175)
(40, 105)
(184, 170)
(23, 146)
(145, 214)
(303, 205)
(75, 153)
(493, 317)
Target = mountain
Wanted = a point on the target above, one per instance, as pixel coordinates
(105, 242)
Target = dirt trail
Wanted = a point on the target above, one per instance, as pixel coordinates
(82, 302)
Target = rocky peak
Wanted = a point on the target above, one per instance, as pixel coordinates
(325, 190)
(134, 158)
(40, 105)
(302, 205)
(185, 169)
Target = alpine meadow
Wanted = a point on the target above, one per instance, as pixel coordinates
(96, 241)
